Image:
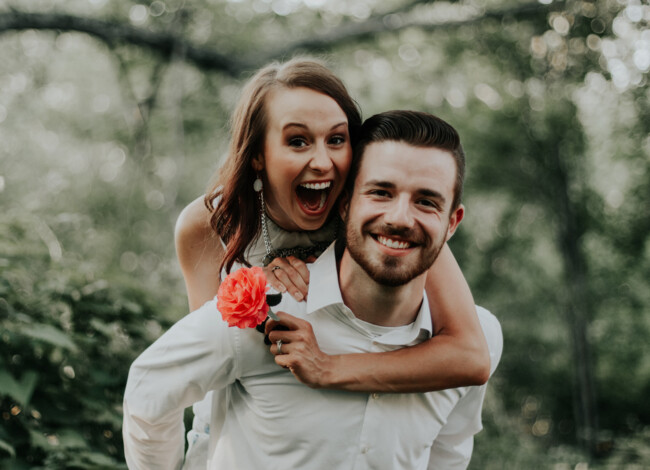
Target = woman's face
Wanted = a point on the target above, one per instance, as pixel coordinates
(306, 157)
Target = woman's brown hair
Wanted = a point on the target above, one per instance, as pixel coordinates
(234, 205)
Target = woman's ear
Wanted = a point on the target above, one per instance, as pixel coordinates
(258, 163)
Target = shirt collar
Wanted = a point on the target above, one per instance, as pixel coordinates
(325, 291)
(324, 288)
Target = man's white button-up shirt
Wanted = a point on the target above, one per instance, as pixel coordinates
(267, 419)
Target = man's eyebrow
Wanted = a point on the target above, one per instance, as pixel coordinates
(432, 194)
(422, 191)
(380, 183)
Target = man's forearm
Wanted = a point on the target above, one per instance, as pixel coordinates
(149, 446)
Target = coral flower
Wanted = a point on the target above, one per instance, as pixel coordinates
(241, 298)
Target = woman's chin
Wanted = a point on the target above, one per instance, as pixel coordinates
(312, 220)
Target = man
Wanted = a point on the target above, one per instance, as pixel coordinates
(367, 295)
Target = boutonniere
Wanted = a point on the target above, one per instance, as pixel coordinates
(243, 301)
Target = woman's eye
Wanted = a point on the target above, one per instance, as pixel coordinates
(337, 140)
(297, 142)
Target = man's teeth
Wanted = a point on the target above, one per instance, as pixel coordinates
(319, 186)
(400, 245)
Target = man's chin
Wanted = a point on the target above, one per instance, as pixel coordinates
(391, 277)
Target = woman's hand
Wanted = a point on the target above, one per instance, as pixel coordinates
(289, 274)
(299, 351)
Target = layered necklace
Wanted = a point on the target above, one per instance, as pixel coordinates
(301, 252)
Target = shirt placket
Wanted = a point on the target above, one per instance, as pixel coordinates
(369, 452)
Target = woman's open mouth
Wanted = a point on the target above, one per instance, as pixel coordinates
(313, 197)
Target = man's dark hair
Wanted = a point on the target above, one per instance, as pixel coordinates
(415, 128)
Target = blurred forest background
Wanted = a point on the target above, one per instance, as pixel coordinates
(113, 115)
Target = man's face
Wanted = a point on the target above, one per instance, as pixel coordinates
(399, 215)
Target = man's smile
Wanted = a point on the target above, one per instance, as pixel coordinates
(393, 242)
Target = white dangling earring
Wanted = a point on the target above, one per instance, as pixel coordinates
(257, 185)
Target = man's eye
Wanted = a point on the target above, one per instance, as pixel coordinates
(428, 203)
(297, 142)
(380, 193)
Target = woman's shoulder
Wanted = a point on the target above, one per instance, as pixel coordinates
(193, 233)
(193, 222)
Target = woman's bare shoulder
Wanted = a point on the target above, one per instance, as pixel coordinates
(199, 251)
(193, 233)
(194, 220)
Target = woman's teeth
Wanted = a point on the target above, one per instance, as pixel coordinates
(400, 245)
(317, 186)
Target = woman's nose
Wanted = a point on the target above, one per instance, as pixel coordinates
(321, 161)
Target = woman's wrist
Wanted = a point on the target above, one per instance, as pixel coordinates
(331, 374)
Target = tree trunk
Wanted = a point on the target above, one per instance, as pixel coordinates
(576, 309)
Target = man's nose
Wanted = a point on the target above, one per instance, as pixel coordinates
(398, 213)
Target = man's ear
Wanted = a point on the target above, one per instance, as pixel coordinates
(454, 220)
(258, 162)
(344, 204)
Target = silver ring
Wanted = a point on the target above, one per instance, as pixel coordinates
(275, 267)
(279, 344)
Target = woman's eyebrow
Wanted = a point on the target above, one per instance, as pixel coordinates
(304, 126)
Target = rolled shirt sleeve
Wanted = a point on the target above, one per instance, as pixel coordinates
(195, 356)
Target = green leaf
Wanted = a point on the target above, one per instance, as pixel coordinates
(49, 334)
(71, 439)
(39, 440)
(8, 448)
(100, 460)
(20, 390)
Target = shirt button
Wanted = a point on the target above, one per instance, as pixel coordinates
(365, 449)
(375, 396)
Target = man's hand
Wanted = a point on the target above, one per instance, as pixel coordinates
(299, 351)
(289, 274)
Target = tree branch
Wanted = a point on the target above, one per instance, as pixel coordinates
(207, 58)
(375, 25)
(112, 33)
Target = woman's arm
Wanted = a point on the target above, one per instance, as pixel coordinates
(456, 356)
(200, 252)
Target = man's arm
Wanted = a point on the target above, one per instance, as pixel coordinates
(195, 356)
(452, 449)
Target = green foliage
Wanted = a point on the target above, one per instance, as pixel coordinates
(103, 144)
(67, 342)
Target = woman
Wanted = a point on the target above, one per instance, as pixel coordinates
(290, 151)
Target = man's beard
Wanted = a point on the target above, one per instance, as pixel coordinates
(392, 271)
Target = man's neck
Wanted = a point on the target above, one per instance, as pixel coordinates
(376, 303)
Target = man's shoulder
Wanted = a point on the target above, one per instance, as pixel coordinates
(493, 335)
